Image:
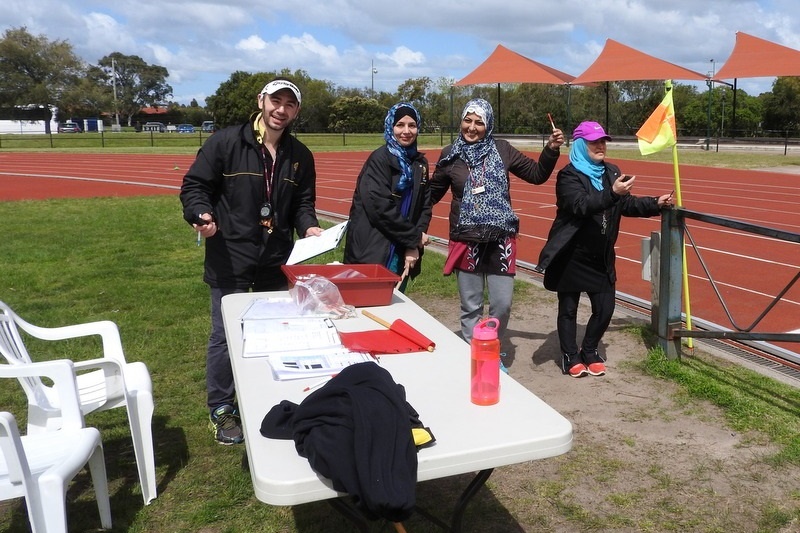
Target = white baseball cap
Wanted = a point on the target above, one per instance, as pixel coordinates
(279, 85)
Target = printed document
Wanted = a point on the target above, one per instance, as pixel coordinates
(297, 347)
(309, 247)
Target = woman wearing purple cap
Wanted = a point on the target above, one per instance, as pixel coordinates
(483, 226)
(591, 197)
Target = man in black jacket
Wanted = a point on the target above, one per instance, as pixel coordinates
(249, 189)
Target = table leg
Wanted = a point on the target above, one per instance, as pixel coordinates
(474, 486)
(351, 513)
(358, 519)
(461, 505)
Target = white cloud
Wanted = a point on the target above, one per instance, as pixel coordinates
(254, 43)
(202, 42)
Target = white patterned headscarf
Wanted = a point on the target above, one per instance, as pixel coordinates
(482, 156)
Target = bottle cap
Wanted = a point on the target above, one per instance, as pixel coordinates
(486, 329)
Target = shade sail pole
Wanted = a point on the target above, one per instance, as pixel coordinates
(498, 108)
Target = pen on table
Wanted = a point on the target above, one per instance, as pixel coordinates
(319, 383)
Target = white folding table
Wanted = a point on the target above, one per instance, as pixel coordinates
(469, 438)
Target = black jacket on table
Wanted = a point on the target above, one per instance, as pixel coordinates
(375, 218)
(356, 431)
(577, 202)
(453, 176)
(227, 179)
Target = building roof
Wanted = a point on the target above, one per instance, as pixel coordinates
(153, 110)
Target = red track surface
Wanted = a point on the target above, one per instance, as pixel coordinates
(749, 270)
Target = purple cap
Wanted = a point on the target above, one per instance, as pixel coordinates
(591, 131)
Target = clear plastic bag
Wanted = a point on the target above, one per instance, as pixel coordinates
(317, 295)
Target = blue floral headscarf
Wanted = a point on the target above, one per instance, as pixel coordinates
(579, 157)
(403, 154)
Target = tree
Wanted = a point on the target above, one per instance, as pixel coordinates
(414, 91)
(35, 70)
(782, 105)
(89, 97)
(356, 114)
(138, 84)
(235, 99)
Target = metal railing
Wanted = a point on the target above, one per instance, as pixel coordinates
(667, 311)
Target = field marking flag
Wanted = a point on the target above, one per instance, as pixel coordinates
(658, 131)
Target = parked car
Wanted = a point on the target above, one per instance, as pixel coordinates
(184, 128)
(154, 126)
(208, 126)
(69, 127)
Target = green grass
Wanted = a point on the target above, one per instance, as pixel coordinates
(753, 403)
(134, 261)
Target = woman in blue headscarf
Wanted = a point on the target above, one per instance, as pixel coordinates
(591, 197)
(483, 226)
(391, 206)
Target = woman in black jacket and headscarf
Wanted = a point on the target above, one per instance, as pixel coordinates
(591, 197)
(391, 206)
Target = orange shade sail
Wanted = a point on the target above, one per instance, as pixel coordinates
(753, 57)
(618, 62)
(507, 66)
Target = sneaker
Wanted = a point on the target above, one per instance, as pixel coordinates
(572, 365)
(594, 363)
(226, 425)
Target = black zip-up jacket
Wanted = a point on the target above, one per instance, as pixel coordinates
(577, 201)
(227, 179)
(375, 218)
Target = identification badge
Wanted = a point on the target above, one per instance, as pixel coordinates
(478, 190)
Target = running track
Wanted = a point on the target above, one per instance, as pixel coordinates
(749, 269)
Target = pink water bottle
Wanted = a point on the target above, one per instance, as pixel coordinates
(485, 351)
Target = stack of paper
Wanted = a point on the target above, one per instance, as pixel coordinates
(296, 347)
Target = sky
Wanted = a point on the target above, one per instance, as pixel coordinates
(378, 44)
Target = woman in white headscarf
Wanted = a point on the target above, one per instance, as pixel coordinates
(483, 226)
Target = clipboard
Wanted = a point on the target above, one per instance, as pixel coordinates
(309, 247)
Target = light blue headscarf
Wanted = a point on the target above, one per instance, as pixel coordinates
(579, 157)
(403, 154)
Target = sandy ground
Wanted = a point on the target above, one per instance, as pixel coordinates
(645, 457)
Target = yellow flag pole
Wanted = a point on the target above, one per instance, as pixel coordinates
(679, 202)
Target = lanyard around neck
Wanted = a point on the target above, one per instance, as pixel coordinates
(269, 171)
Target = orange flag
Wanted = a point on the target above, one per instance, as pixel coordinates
(658, 131)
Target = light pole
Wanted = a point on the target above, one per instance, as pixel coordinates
(114, 83)
(708, 82)
(373, 71)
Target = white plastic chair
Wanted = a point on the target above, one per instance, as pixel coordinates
(103, 384)
(39, 467)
